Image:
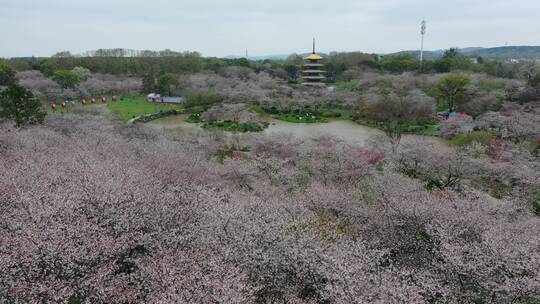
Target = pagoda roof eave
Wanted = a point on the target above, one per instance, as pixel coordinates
(313, 57)
(315, 84)
(313, 77)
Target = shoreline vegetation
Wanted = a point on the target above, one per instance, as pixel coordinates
(295, 118)
(234, 126)
(133, 109)
(137, 109)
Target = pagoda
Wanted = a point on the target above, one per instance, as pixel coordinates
(312, 72)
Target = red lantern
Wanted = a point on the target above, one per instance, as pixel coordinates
(63, 104)
(53, 106)
(93, 100)
(104, 99)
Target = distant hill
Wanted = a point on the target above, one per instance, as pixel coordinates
(507, 52)
(429, 55)
(272, 57)
(499, 53)
(470, 49)
(257, 58)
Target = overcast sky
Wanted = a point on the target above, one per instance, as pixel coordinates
(229, 27)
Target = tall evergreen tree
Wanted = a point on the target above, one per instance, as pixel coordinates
(7, 75)
(166, 83)
(18, 104)
(148, 83)
(66, 78)
(452, 90)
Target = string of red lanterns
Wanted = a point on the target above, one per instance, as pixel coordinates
(64, 104)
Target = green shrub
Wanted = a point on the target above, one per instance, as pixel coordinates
(327, 114)
(476, 149)
(429, 128)
(194, 118)
(220, 155)
(320, 111)
(257, 109)
(203, 99)
(18, 104)
(66, 79)
(490, 85)
(7, 75)
(434, 183)
(465, 139)
(346, 85)
(158, 115)
(409, 244)
(500, 190)
(534, 148)
(536, 203)
(197, 109)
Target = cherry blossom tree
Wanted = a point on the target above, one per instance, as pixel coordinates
(95, 211)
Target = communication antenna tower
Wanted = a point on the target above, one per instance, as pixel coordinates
(423, 32)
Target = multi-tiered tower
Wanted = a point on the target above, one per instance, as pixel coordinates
(312, 72)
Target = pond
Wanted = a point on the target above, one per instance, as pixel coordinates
(345, 130)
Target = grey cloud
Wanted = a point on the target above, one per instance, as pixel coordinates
(42, 27)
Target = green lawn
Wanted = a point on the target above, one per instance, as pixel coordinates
(130, 107)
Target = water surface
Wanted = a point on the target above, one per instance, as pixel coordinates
(345, 130)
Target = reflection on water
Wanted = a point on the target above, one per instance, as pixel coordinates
(342, 129)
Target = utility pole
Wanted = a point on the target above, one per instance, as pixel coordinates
(247, 55)
(423, 32)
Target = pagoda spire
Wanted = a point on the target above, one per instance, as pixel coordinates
(312, 71)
